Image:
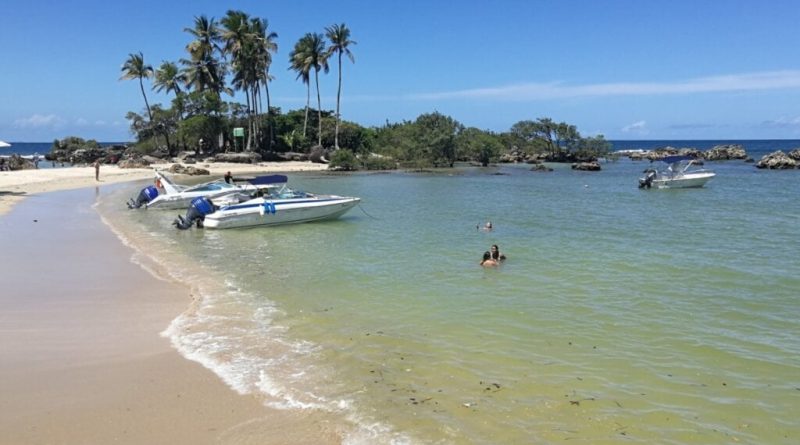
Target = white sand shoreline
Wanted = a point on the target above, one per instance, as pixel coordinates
(16, 185)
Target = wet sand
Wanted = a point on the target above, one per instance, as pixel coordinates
(81, 358)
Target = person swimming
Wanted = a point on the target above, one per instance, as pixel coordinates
(488, 261)
(495, 253)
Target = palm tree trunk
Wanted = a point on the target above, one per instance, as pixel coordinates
(254, 92)
(308, 102)
(249, 124)
(269, 112)
(149, 113)
(319, 109)
(338, 98)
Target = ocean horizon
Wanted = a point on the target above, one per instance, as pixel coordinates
(621, 315)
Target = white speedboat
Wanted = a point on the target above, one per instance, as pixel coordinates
(165, 194)
(680, 174)
(277, 205)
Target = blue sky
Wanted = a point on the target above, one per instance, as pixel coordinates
(624, 69)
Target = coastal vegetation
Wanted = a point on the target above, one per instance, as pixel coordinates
(235, 54)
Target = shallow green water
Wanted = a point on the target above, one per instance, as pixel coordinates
(621, 315)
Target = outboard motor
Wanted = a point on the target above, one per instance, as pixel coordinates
(196, 214)
(647, 180)
(147, 194)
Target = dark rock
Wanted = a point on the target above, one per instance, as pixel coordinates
(186, 156)
(294, 156)
(587, 166)
(777, 160)
(134, 162)
(541, 168)
(271, 156)
(152, 159)
(190, 170)
(17, 162)
(795, 154)
(318, 155)
(659, 153)
(725, 152)
(239, 158)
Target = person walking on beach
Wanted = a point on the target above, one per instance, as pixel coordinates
(97, 170)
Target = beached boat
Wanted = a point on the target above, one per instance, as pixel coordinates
(278, 204)
(165, 194)
(680, 173)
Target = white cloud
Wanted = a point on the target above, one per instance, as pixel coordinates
(639, 127)
(40, 121)
(768, 80)
(81, 121)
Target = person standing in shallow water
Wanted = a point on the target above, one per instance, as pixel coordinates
(97, 170)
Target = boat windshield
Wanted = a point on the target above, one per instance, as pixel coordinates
(211, 187)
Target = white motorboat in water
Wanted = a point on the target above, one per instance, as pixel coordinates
(165, 194)
(278, 204)
(680, 174)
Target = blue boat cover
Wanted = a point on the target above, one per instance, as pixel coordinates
(269, 179)
(674, 159)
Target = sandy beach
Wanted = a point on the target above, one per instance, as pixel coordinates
(82, 359)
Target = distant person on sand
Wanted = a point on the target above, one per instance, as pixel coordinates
(496, 255)
(97, 170)
(488, 261)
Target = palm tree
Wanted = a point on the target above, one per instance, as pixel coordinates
(312, 55)
(239, 43)
(135, 68)
(339, 36)
(168, 78)
(297, 63)
(203, 71)
(266, 47)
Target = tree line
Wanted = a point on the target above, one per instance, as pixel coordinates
(242, 47)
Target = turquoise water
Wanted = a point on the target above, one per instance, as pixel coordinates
(621, 315)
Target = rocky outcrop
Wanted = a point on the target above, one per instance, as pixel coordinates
(777, 160)
(293, 156)
(725, 152)
(17, 162)
(587, 166)
(188, 170)
(134, 162)
(660, 153)
(318, 155)
(239, 158)
(795, 154)
(540, 168)
(513, 156)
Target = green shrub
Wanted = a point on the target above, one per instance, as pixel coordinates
(344, 160)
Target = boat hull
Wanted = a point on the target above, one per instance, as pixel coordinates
(694, 180)
(278, 212)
